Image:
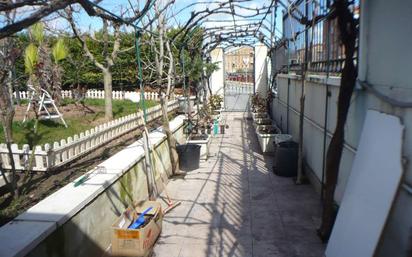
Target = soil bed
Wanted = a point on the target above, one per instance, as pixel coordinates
(199, 137)
(269, 130)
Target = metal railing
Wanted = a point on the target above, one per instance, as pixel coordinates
(317, 44)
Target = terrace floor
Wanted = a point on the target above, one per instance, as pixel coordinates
(233, 205)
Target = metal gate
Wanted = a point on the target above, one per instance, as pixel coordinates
(237, 95)
(239, 78)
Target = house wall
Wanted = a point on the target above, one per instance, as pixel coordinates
(261, 69)
(384, 62)
(235, 59)
(217, 77)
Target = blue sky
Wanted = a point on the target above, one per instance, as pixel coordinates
(89, 23)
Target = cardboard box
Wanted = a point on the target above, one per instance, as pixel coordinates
(137, 242)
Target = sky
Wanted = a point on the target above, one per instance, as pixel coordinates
(179, 14)
(183, 14)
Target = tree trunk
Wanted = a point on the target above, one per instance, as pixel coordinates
(7, 114)
(108, 106)
(171, 140)
(348, 34)
(10, 85)
(204, 89)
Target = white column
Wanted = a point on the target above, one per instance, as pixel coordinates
(261, 69)
(217, 78)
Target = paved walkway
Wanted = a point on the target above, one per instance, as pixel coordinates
(234, 206)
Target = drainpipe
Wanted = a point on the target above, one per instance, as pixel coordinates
(287, 100)
(302, 101)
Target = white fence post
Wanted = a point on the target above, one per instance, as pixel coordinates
(68, 149)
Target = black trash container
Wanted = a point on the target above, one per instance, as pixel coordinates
(189, 156)
(286, 159)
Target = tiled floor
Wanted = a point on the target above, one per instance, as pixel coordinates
(233, 205)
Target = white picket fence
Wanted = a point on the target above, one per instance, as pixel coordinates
(99, 94)
(60, 153)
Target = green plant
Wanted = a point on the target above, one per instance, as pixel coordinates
(30, 58)
(59, 51)
(258, 103)
(215, 102)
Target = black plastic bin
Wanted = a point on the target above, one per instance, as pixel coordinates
(286, 159)
(189, 156)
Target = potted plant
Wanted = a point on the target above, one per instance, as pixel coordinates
(266, 135)
(215, 104)
(258, 104)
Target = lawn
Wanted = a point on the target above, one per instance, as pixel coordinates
(52, 130)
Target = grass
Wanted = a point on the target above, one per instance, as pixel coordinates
(52, 130)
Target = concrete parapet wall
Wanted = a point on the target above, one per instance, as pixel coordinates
(286, 110)
(76, 220)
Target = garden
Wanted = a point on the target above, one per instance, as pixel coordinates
(48, 139)
(79, 118)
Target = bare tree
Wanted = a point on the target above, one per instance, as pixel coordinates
(8, 56)
(348, 34)
(41, 9)
(165, 94)
(108, 56)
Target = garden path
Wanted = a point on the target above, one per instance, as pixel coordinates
(233, 205)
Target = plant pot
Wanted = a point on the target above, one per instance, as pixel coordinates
(266, 139)
(203, 141)
(286, 159)
(259, 115)
(216, 112)
(215, 116)
(183, 104)
(262, 122)
(189, 156)
(280, 138)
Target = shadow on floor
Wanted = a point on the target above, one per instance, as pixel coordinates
(233, 205)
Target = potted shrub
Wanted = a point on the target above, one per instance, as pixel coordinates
(266, 136)
(215, 104)
(258, 104)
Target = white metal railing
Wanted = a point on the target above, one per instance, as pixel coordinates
(236, 87)
(99, 94)
(60, 153)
